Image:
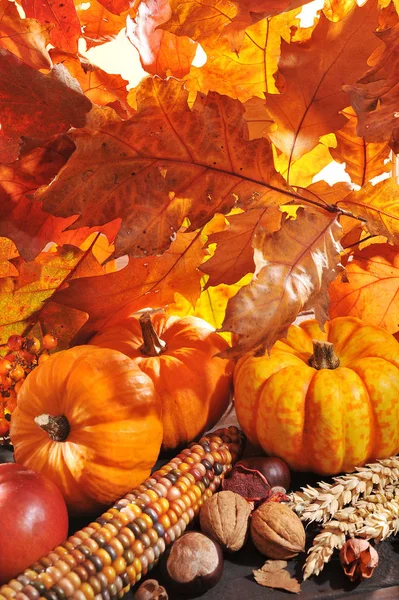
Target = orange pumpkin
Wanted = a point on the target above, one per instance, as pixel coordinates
(324, 402)
(89, 419)
(179, 356)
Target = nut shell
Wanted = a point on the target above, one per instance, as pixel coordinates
(225, 519)
(276, 531)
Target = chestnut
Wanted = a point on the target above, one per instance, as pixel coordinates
(192, 565)
(274, 469)
(151, 590)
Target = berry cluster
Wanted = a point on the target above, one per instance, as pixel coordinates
(23, 355)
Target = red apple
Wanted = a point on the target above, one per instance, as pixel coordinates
(33, 518)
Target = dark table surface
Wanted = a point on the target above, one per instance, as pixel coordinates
(237, 582)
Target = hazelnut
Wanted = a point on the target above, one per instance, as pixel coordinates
(276, 531)
(225, 519)
(151, 590)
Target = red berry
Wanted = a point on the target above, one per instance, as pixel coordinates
(5, 366)
(15, 342)
(17, 373)
(32, 344)
(49, 342)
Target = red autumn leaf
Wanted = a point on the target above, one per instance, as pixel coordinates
(311, 76)
(62, 15)
(100, 87)
(372, 288)
(117, 7)
(144, 282)
(234, 254)
(161, 52)
(36, 105)
(26, 38)
(181, 163)
(363, 160)
(99, 25)
(293, 268)
(376, 96)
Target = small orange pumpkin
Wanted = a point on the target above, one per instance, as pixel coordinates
(324, 402)
(179, 356)
(89, 419)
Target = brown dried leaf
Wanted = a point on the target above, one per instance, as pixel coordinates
(27, 94)
(363, 160)
(62, 15)
(293, 268)
(372, 290)
(161, 52)
(274, 575)
(311, 76)
(379, 204)
(26, 38)
(167, 162)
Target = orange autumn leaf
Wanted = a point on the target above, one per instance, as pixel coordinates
(99, 24)
(183, 163)
(363, 160)
(311, 76)
(100, 87)
(335, 10)
(293, 268)
(62, 16)
(144, 282)
(26, 38)
(234, 254)
(379, 205)
(27, 94)
(161, 52)
(372, 290)
(375, 97)
(249, 72)
(8, 252)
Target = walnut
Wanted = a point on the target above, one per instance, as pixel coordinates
(277, 531)
(224, 518)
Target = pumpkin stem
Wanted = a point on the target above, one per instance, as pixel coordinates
(323, 356)
(57, 427)
(153, 345)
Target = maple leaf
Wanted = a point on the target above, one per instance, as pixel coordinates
(62, 15)
(363, 160)
(181, 163)
(26, 38)
(375, 97)
(8, 252)
(119, 6)
(379, 205)
(23, 298)
(293, 268)
(335, 10)
(161, 52)
(250, 72)
(99, 24)
(100, 87)
(36, 105)
(371, 291)
(234, 255)
(144, 282)
(311, 76)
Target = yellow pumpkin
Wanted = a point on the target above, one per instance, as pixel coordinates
(89, 419)
(324, 402)
(179, 356)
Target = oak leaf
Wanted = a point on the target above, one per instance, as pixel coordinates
(66, 28)
(100, 87)
(293, 268)
(363, 160)
(371, 291)
(379, 205)
(27, 95)
(99, 24)
(234, 254)
(161, 52)
(375, 97)
(165, 163)
(144, 282)
(311, 76)
(26, 38)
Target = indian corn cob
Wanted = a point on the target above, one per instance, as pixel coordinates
(103, 560)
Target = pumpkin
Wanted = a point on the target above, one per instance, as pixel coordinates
(179, 356)
(323, 402)
(88, 419)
